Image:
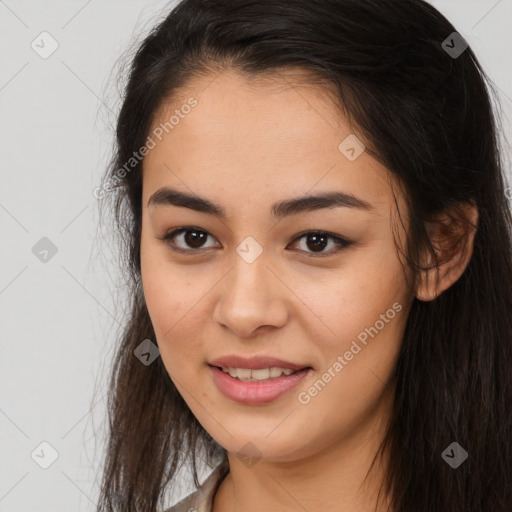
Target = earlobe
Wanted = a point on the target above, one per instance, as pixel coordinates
(452, 236)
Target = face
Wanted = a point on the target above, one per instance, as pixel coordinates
(315, 284)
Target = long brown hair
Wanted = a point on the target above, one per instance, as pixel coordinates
(428, 117)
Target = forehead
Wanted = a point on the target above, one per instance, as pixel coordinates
(281, 106)
(275, 135)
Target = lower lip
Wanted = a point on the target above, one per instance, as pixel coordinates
(256, 392)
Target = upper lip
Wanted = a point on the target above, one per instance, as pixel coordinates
(255, 363)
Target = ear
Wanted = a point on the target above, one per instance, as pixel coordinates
(452, 235)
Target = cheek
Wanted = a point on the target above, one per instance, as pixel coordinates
(170, 298)
(357, 363)
(352, 298)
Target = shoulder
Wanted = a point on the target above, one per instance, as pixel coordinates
(202, 498)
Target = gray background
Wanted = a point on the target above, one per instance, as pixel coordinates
(58, 317)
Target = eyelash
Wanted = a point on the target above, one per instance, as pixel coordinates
(342, 242)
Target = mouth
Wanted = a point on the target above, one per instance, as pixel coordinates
(261, 374)
(252, 386)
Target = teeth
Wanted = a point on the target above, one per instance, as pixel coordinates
(248, 375)
(243, 373)
(275, 372)
(262, 374)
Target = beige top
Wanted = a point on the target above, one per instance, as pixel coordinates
(201, 500)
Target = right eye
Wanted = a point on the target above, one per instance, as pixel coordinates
(192, 236)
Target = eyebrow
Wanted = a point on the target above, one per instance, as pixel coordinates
(166, 196)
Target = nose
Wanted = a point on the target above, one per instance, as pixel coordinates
(251, 299)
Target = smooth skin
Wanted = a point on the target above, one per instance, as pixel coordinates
(247, 144)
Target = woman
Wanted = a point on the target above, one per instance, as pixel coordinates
(313, 210)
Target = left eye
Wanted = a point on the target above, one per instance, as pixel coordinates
(318, 240)
(195, 238)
